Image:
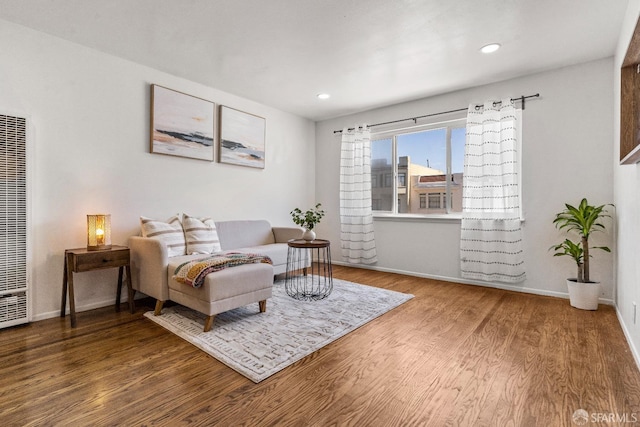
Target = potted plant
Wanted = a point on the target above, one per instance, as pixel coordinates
(308, 220)
(584, 220)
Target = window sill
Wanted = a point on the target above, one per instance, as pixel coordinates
(451, 218)
(447, 218)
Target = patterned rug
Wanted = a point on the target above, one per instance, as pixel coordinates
(258, 345)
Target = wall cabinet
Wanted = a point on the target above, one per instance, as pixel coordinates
(630, 102)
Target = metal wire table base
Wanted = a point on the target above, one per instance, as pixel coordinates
(309, 276)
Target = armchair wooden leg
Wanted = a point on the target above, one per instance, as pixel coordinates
(263, 305)
(158, 310)
(208, 323)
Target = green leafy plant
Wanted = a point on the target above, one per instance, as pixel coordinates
(573, 250)
(308, 219)
(584, 220)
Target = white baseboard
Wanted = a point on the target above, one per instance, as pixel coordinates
(627, 335)
(496, 285)
(81, 308)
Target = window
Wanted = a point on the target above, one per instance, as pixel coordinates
(427, 162)
(434, 201)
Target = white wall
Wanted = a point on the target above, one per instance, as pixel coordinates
(626, 180)
(90, 113)
(567, 155)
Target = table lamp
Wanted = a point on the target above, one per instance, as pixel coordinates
(98, 232)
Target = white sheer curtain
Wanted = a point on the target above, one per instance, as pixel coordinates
(356, 218)
(491, 242)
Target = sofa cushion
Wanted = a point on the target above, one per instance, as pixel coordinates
(169, 232)
(200, 235)
(229, 283)
(244, 234)
(277, 252)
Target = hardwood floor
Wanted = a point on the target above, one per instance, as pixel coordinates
(453, 355)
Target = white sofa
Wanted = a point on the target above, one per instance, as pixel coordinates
(153, 268)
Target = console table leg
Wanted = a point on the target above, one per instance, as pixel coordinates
(131, 291)
(63, 305)
(72, 299)
(119, 290)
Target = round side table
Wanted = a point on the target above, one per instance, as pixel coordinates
(308, 275)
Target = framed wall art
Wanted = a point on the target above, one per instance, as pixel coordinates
(242, 138)
(181, 125)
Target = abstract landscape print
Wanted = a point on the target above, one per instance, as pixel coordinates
(242, 138)
(181, 125)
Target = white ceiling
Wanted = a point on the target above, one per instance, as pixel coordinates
(365, 53)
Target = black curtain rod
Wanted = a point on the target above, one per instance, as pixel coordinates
(520, 98)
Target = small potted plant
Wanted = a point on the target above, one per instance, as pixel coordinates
(308, 220)
(583, 220)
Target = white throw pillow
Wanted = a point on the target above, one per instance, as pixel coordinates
(201, 235)
(169, 231)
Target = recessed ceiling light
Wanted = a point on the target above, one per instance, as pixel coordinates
(323, 96)
(490, 48)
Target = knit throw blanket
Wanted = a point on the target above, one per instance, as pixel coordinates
(193, 273)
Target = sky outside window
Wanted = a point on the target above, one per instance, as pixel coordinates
(425, 148)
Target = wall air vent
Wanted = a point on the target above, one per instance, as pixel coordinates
(14, 293)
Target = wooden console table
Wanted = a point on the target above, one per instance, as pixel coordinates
(81, 260)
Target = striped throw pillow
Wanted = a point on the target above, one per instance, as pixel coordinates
(169, 231)
(201, 235)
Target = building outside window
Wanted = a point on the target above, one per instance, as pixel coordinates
(434, 201)
(388, 180)
(428, 163)
(402, 179)
(381, 196)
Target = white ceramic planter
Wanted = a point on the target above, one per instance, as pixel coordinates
(309, 235)
(583, 295)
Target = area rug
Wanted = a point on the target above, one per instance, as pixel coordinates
(257, 345)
